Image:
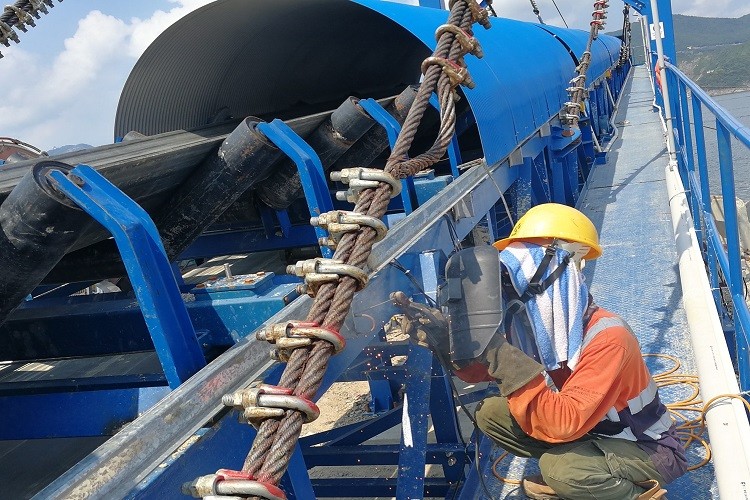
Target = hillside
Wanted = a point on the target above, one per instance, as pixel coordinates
(714, 52)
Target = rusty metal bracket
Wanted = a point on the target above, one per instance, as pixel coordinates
(468, 43)
(458, 75)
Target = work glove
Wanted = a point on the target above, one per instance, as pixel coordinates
(509, 365)
(425, 326)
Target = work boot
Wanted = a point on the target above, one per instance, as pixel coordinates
(653, 490)
(535, 487)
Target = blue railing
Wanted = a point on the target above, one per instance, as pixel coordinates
(723, 259)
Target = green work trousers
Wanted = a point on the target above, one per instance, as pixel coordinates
(589, 468)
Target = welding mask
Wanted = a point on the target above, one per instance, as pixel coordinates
(474, 301)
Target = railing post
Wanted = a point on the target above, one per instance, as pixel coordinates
(733, 243)
(663, 76)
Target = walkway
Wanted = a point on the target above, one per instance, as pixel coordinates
(637, 276)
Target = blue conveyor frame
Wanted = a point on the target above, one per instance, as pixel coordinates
(526, 159)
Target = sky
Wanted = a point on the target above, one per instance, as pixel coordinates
(61, 84)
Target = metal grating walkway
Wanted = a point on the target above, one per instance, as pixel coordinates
(637, 276)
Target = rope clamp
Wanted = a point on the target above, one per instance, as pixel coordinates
(7, 33)
(23, 17)
(270, 401)
(318, 271)
(360, 178)
(478, 14)
(229, 484)
(577, 78)
(39, 6)
(338, 222)
(458, 75)
(300, 334)
(468, 43)
(575, 106)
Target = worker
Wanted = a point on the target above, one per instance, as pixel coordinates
(575, 392)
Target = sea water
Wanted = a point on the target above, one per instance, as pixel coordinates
(738, 105)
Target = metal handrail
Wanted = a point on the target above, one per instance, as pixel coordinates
(723, 262)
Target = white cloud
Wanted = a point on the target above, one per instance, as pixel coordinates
(74, 98)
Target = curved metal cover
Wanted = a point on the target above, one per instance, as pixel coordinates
(275, 59)
(605, 50)
(290, 57)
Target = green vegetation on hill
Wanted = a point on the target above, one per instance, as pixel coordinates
(691, 31)
(714, 52)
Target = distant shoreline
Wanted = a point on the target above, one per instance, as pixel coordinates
(734, 90)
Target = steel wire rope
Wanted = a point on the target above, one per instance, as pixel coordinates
(275, 440)
(535, 10)
(561, 16)
(21, 15)
(577, 93)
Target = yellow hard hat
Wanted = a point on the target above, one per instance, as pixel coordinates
(552, 220)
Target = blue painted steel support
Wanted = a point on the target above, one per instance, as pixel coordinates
(411, 463)
(100, 324)
(705, 192)
(249, 240)
(689, 153)
(736, 286)
(81, 413)
(296, 481)
(148, 268)
(310, 170)
(392, 129)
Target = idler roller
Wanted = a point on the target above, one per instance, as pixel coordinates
(375, 140)
(330, 140)
(244, 158)
(38, 225)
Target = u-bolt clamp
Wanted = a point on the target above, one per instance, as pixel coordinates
(468, 43)
(575, 106)
(23, 17)
(338, 222)
(458, 75)
(230, 484)
(38, 6)
(478, 14)
(569, 119)
(7, 33)
(360, 178)
(300, 333)
(269, 401)
(318, 271)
